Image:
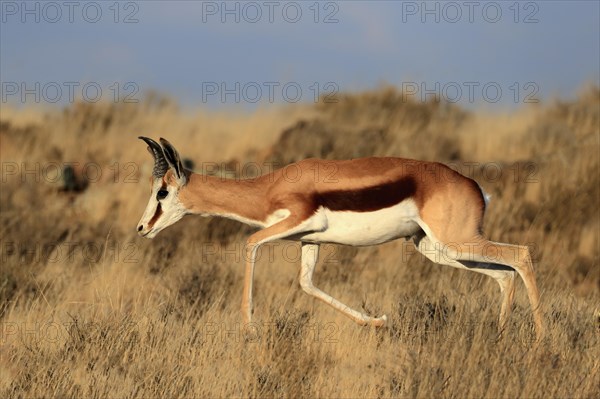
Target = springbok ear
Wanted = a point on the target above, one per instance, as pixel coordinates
(160, 163)
(173, 158)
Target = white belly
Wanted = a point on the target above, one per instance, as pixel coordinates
(366, 228)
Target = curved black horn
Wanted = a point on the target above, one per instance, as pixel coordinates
(172, 157)
(160, 163)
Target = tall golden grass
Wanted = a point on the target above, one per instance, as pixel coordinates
(88, 309)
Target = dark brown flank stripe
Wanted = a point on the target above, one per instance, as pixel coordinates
(156, 216)
(367, 199)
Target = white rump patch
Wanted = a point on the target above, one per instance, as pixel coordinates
(486, 197)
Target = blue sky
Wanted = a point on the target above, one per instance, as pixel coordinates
(195, 50)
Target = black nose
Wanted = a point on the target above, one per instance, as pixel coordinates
(140, 227)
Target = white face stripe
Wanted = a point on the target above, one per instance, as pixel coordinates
(157, 214)
(151, 207)
(171, 210)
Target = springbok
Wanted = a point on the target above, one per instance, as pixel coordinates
(359, 202)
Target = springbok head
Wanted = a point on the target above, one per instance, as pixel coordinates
(168, 178)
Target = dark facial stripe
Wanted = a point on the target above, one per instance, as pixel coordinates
(155, 217)
(368, 199)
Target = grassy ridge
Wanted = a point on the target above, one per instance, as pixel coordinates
(90, 310)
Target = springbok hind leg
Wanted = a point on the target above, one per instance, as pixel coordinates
(504, 275)
(517, 257)
(507, 287)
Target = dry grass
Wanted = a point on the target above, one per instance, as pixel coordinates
(88, 309)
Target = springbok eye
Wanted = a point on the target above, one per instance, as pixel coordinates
(161, 194)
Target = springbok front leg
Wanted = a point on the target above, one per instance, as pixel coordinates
(310, 255)
(293, 224)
